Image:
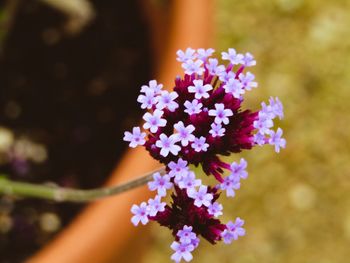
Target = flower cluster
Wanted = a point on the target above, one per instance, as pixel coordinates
(195, 124)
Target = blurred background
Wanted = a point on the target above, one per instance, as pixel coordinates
(56, 60)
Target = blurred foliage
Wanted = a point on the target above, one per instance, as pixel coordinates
(297, 204)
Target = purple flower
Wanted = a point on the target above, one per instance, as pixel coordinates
(238, 130)
(266, 112)
(201, 197)
(230, 184)
(189, 181)
(186, 235)
(193, 67)
(199, 89)
(225, 76)
(236, 228)
(167, 144)
(179, 168)
(200, 121)
(195, 242)
(193, 107)
(276, 107)
(217, 130)
(239, 170)
(155, 206)
(182, 251)
(148, 100)
(154, 121)
(203, 54)
(277, 140)
(160, 183)
(248, 60)
(247, 81)
(184, 134)
(166, 100)
(135, 138)
(264, 123)
(189, 54)
(214, 68)
(227, 236)
(233, 231)
(215, 209)
(234, 87)
(260, 139)
(232, 56)
(221, 114)
(140, 214)
(153, 87)
(199, 144)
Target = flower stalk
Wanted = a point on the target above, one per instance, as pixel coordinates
(62, 194)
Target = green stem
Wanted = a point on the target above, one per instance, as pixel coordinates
(61, 194)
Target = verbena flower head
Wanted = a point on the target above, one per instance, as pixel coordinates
(198, 121)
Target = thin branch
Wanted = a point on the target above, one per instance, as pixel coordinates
(61, 194)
